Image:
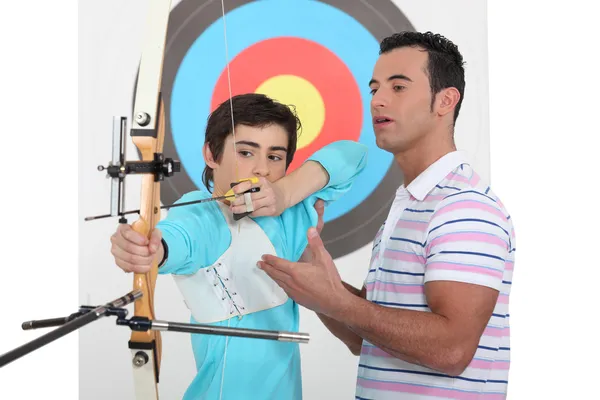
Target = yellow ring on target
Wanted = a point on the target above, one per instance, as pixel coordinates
(297, 91)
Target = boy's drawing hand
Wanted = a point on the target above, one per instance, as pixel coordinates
(269, 201)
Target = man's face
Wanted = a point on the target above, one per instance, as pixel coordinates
(401, 103)
(261, 152)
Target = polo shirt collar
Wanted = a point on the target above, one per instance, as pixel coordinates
(435, 173)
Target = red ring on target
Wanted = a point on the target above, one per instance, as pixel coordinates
(310, 61)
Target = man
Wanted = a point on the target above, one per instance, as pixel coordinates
(432, 319)
(212, 257)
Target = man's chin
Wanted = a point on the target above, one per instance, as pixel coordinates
(393, 147)
(383, 143)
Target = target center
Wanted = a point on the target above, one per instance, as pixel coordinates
(296, 91)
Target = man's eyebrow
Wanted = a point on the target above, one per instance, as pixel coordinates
(391, 78)
(257, 146)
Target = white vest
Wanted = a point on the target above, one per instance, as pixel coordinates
(233, 285)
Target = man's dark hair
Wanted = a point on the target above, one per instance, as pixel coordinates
(445, 66)
(255, 110)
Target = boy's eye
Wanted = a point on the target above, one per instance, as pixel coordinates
(276, 158)
(245, 153)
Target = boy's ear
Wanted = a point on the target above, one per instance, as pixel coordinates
(208, 157)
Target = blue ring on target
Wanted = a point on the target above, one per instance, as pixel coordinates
(205, 60)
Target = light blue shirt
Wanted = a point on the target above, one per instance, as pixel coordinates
(197, 235)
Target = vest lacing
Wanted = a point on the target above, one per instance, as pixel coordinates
(221, 281)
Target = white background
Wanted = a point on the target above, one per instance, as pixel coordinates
(544, 141)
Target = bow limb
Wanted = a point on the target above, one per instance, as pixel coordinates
(147, 133)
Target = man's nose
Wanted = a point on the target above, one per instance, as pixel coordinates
(380, 99)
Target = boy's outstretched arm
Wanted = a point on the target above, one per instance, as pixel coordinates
(330, 171)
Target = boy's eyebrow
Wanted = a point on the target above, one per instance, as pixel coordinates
(257, 146)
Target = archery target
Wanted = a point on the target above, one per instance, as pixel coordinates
(315, 55)
(318, 84)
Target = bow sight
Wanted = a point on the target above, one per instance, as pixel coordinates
(160, 167)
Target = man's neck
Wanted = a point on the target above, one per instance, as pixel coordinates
(414, 161)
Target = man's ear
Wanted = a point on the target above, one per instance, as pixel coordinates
(208, 157)
(446, 101)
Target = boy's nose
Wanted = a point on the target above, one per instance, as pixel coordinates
(261, 169)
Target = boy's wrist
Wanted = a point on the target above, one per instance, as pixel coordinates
(282, 190)
(165, 256)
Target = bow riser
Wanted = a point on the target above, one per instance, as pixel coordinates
(147, 369)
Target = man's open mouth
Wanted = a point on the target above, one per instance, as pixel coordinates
(381, 120)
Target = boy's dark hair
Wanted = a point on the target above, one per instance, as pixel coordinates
(445, 66)
(252, 109)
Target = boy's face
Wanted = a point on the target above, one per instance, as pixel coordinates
(261, 152)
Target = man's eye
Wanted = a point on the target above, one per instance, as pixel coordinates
(245, 153)
(372, 91)
(276, 158)
(397, 88)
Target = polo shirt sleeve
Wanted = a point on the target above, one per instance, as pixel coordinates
(468, 240)
(196, 235)
(343, 160)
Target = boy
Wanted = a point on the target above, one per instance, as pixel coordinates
(213, 258)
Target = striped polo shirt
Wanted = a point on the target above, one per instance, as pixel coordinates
(448, 225)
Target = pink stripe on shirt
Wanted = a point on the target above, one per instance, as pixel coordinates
(402, 256)
(467, 237)
(428, 390)
(395, 288)
(463, 268)
(469, 205)
(453, 176)
(415, 225)
(485, 364)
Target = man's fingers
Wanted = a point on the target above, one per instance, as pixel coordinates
(316, 245)
(320, 207)
(278, 275)
(277, 262)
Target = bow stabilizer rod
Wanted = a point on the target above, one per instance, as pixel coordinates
(69, 324)
(89, 314)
